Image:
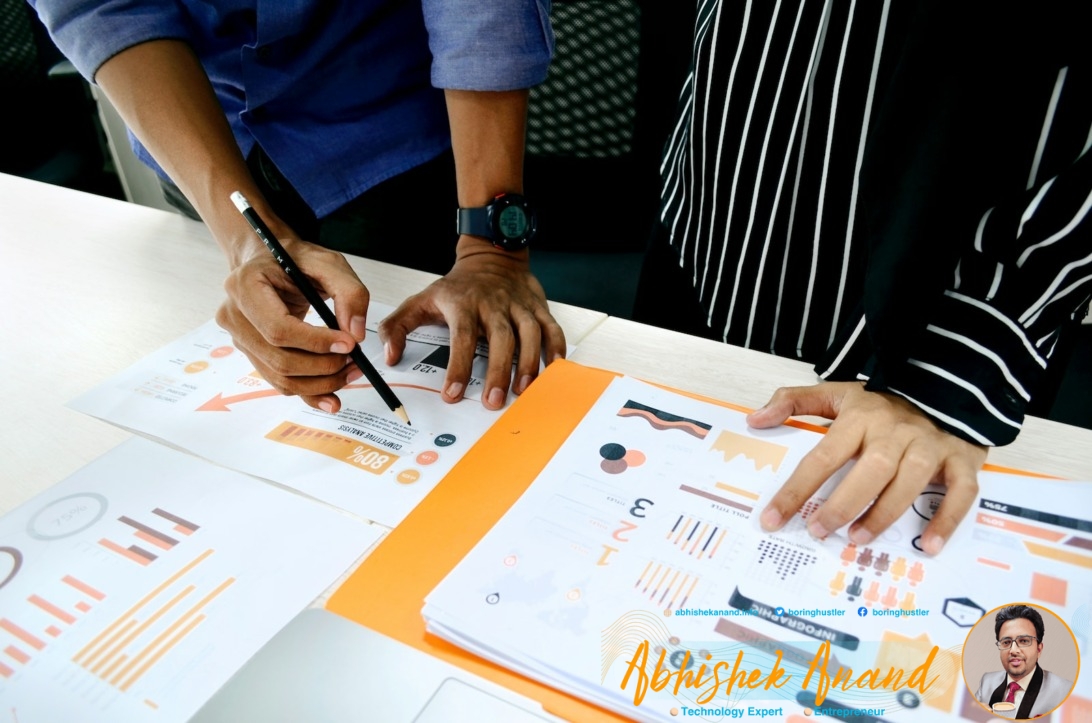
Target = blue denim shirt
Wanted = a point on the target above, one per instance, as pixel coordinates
(341, 95)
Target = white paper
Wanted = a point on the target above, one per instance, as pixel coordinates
(202, 394)
(132, 590)
(649, 510)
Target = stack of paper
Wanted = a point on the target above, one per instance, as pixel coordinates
(201, 394)
(639, 541)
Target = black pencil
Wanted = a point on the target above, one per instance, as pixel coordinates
(304, 285)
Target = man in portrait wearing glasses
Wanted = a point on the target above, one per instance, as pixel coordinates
(1034, 691)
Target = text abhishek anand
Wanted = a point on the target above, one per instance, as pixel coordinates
(709, 677)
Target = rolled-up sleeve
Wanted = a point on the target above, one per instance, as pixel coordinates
(90, 33)
(489, 44)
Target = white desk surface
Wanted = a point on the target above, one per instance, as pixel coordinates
(749, 377)
(90, 285)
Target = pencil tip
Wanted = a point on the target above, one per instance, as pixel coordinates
(401, 412)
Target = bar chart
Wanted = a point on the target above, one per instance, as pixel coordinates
(129, 596)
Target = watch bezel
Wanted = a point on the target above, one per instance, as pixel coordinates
(503, 202)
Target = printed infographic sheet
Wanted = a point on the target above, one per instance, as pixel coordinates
(136, 587)
(202, 394)
(640, 539)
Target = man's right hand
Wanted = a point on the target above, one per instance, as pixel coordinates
(264, 314)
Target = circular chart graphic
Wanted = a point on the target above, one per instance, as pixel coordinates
(408, 476)
(10, 562)
(67, 516)
(617, 459)
(927, 504)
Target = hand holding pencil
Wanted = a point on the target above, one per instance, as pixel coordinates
(265, 309)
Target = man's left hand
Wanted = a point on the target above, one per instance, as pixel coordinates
(488, 293)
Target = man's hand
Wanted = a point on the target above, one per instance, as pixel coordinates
(264, 312)
(899, 451)
(489, 293)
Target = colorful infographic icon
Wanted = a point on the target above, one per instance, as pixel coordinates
(617, 459)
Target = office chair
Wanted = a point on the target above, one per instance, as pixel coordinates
(52, 135)
(595, 132)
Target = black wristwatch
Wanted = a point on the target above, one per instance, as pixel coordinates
(509, 221)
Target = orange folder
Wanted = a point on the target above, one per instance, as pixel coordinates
(386, 593)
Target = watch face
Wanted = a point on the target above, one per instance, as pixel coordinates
(512, 222)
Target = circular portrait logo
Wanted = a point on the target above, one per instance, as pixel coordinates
(1020, 661)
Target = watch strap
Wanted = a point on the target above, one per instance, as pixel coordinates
(474, 222)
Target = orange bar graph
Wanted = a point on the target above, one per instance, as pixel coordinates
(351, 451)
(17, 654)
(138, 605)
(163, 610)
(129, 625)
(1019, 527)
(6, 671)
(682, 530)
(678, 590)
(125, 552)
(83, 587)
(994, 563)
(1061, 555)
(163, 651)
(153, 540)
(51, 609)
(53, 631)
(717, 545)
(23, 635)
(120, 660)
(689, 592)
(737, 491)
(82, 606)
(183, 526)
(148, 650)
(659, 567)
(698, 538)
(669, 586)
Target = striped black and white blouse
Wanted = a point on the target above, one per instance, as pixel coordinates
(897, 190)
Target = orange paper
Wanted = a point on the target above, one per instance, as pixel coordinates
(387, 591)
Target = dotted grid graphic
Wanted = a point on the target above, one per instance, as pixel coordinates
(586, 107)
(780, 563)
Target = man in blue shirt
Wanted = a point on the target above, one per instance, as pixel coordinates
(337, 99)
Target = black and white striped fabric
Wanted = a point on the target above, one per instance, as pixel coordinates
(897, 190)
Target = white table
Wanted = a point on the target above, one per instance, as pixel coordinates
(749, 378)
(90, 286)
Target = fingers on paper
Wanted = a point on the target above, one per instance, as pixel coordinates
(822, 461)
(413, 312)
(502, 348)
(464, 341)
(961, 479)
(553, 337)
(907, 467)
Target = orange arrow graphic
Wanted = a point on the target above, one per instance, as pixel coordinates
(220, 403)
